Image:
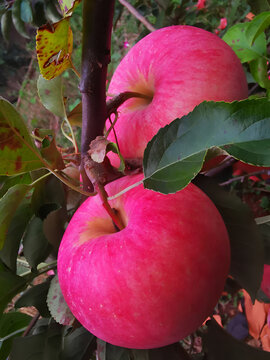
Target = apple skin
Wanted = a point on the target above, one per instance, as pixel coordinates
(155, 281)
(179, 67)
(265, 285)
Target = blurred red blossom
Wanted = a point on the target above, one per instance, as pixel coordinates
(200, 4)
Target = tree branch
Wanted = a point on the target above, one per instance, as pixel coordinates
(137, 15)
(97, 25)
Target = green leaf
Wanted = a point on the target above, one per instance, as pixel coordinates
(246, 51)
(17, 19)
(51, 95)
(175, 155)
(35, 245)
(258, 68)
(36, 296)
(48, 196)
(247, 248)
(14, 180)
(46, 345)
(257, 26)
(75, 116)
(10, 285)
(222, 346)
(76, 345)
(257, 6)
(11, 324)
(8, 205)
(26, 11)
(17, 152)
(54, 227)
(6, 22)
(16, 229)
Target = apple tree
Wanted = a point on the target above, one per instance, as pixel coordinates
(43, 184)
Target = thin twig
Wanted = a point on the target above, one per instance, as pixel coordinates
(31, 325)
(242, 177)
(25, 80)
(137, 15)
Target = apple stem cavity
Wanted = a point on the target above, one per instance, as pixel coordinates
(96, 42)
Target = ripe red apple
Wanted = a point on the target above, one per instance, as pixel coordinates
(265, 285)
(178, 67)
(155, 281)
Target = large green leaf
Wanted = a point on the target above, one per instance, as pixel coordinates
(10, 285)
(35, 245)
(17, 151)
(8, 205)
(11, 324)
(175, 155)
(15, 232)
(247, 247)
(246, 51)
(46, 344)
(77, 344)
(222, 346)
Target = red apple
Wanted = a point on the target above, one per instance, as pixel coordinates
(154, 282)
(265, 285)
(178, 67)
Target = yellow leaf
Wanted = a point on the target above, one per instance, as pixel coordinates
(68, 6)
(54, 45)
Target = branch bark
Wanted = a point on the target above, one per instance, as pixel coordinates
(97, 26)
(137, 15)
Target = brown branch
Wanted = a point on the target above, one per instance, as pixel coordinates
(97, 26)
(31, 324)
(137, 15)
(243, 177)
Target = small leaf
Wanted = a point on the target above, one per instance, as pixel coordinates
(75, 116)
(51, 95)
(36, 296)
(26, 11)
(17, 152)
(247, 256)
(51, 154)
(76, 344)
(8, 205)
(10, 323)
(236, 38)
(10, 285)
(258, 68)
(54, 45)
(35, 245)
(222, 346)
(6, 22)
(257, 26)
(16, 229)
(17, 19)
(68, 6)
(175, 155)
(57, 305)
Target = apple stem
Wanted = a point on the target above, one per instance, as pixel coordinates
(114, 103)
(96, 42)
(114, 216)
